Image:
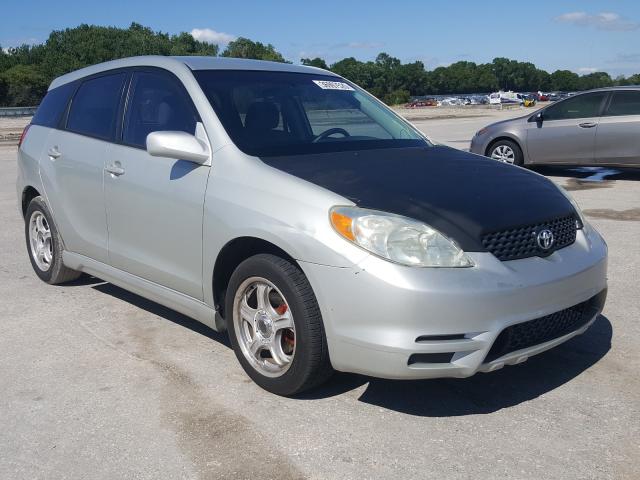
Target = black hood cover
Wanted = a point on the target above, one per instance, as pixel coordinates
(464, 196)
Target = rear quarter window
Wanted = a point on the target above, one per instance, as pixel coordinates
(53, 106)
(95, 105)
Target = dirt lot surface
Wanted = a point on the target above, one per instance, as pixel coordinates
(100, 383)
(11, 128)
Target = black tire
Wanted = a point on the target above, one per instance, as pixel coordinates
(310, 365)
(56, 272)
(517, 151)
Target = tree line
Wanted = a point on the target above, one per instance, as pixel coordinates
(27, 70)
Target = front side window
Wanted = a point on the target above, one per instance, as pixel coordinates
(157, 102)
(624, 103)
(581, 106)
(284, 113)
(94, 106)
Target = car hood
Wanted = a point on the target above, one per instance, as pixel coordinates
(515, 120)
(464, 196)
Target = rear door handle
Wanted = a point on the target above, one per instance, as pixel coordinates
(54, 153)
(115, 170)
(587, 125)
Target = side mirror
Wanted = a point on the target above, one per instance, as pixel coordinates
(178, 145)
(538, 118)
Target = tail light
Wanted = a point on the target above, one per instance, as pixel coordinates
(24, 134)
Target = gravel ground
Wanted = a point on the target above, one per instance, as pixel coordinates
(100, 383)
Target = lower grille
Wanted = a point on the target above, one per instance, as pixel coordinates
(541, 330)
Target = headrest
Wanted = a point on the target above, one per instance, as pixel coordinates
(262, 116)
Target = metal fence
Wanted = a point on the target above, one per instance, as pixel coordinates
(17, 111)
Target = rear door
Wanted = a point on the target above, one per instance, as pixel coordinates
(73, 164)
(567, 133)
(618, 135)
(155, 204)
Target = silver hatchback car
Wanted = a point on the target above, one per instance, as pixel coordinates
(599, 127)
(288, 206)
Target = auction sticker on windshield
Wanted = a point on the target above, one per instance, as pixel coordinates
(328, 85)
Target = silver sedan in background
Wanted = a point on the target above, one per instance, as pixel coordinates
(599, 127)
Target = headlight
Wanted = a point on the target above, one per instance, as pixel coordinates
(482, 131)
(581, 220)
(397, 239)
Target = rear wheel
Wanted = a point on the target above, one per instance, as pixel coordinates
(45, 245)
(506, 151)
(275, 326)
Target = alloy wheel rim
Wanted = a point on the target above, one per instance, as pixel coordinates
(504, 153)
(264, 326)
(40, 241)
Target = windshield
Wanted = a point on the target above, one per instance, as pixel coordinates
(283, 113)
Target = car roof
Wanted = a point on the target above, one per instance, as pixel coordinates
(191, 63)
(610, 89)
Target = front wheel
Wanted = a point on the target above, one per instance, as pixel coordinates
(506, 151)
(275, 326)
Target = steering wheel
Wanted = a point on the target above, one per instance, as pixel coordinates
(331, 131)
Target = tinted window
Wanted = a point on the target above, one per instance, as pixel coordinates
(580, 106)
(94, 107)
(53, 105)
(285, 113)
(624, 103)
(157, 102)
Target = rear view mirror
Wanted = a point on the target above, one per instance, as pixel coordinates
(178, 145)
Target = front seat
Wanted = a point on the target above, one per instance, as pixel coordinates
(261, 121)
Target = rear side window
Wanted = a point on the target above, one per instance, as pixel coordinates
(580, 106)
(157, 102)
(94, 107)
(624, 103)
(53, 106)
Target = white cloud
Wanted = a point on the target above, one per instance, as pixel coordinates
(211, 36)
(602, 21)
(587, 69)
(364, 44)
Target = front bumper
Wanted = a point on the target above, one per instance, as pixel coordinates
(478, 145)
(380, 317)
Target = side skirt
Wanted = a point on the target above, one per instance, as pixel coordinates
(177, 301)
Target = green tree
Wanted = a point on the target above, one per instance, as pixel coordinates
(4, 91)
(396, 97)
(314, 62)
(25, 85)
(245, 48)
(565, 80)
(73, 48)
(595, 80)
(633, 79)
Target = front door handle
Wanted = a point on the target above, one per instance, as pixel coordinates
(116, 170)
(587, 125)
(54, 153)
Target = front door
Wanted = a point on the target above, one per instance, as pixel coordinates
(567, 133)
(155, 205)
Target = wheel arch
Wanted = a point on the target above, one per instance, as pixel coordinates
(28, 194)
(233, 254)
(500, 138)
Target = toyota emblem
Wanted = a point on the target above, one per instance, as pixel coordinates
(545, 239)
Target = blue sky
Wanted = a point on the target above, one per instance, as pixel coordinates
(577, 35)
